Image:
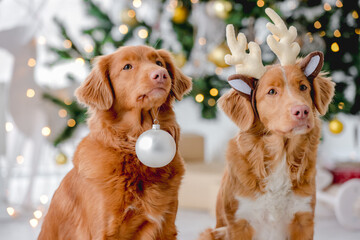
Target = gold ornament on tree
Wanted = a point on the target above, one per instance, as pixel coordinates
(218, 54)
(61, 159)
(335, 126)
(128, 17)
(180, 59)
(180, 15)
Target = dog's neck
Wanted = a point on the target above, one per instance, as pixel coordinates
(128, 125)
(263, 151)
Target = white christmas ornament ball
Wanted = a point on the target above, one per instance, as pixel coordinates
(155, 148)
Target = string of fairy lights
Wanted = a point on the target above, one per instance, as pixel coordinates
(37, 214)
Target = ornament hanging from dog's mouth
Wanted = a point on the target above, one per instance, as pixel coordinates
(155, 147)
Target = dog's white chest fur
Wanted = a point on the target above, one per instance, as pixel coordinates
(271, 213)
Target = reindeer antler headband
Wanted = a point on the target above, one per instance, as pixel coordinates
(251, 64)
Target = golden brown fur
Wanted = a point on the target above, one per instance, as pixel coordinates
(109, 194)
(258, 148)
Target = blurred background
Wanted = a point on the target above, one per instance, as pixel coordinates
(46, 51)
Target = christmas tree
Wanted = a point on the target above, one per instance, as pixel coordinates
(194, 31)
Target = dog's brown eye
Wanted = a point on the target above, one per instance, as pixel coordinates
(272, 92)
(127, 67)
(303, 87)
(159, 63)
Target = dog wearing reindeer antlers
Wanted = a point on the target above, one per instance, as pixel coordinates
(268, 188)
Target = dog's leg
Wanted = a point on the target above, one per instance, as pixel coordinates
(214, 234)
(240, 230)
(168, 230)
(302, 226)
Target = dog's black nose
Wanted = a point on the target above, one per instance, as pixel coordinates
(159, 75)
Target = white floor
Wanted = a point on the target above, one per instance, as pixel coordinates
(190, 223)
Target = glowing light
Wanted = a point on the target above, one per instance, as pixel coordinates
(41, 40)
(62, 113)
(20, 159)
(339, 4)
(202, 41)
(45, 131)
(67, 43)
(194, 1)
(341, 105)
(137, 3)
(68, 101)
(10, 211)
(357, 31)
(80, 61)
(33, 222)
(337, 33)
(38, 214)
(123, 29)
(71, 122)
(44, 199)
(218, 70)
(214, 92)
(260, 3)
(31, 62)
(131, 13)
(327, 7)
(322, 33)
(88, 48)
(9, 126)
(199, 98)
(211, 102)
(335, 47)
(30, 93)
(317, 25)
(143, 33)
(355, 14)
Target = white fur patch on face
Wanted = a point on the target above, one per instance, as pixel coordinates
(312, 65)
(286, 82)
(240, 86)
(271, 213)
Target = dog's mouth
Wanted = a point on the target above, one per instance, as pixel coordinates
(155, 92)
(296, 129)
(302, 128)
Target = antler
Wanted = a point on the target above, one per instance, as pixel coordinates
(286, 49)
(249, 64)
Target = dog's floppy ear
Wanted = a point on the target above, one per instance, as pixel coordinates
(323, 87)
(323, 92)
(96, 90)
(238, 108)
(181, 84)
(311, 65)
(243, 85)
(237, 103)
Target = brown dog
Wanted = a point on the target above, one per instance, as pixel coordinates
(268, 189)
(109, 194)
